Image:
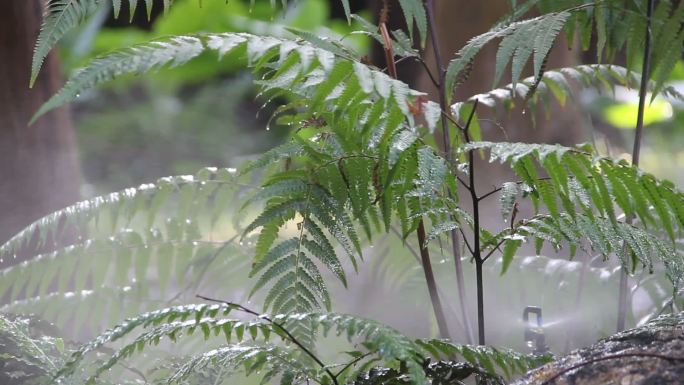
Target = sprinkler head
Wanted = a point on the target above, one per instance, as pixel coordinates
(534, 330)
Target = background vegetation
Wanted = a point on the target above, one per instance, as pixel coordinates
(161, 244)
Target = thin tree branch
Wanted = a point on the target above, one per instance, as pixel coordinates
(353, 362)
(463, 182)
(465, 240)
(496, 190)
(501, 241)
(287, 333)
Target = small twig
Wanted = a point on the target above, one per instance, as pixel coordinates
(419, 60)
(287, 333)
(465, 240)
(353, 362)
(463, 182)
(427, 70)
(487, 195)
(496, 247)
(607, 358)
(496, 190)
(135, 371)
(452, 120)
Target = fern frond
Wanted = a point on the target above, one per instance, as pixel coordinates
(315, 79)
(30, 351)
(577, 172)
(414, 10)
(520, 40)
(273, 360)
(122, 239)
(620, 26)
(383, 341)
(113, 213)
(558, 84)
(490, 358)
(61, 16)
(382, 344)
(632, 245)
(290, 263)
(402, 45)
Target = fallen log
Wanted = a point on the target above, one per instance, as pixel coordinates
(651, 354)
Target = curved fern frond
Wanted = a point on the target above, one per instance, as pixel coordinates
(492, 359)
(382, 344)
(28, 357)
(146, 239)
(558, 84)
(302, 68)
(61, 16)
(271, 359)
(620, 25)
(632, 245)
(112, 213)
(580, 181)
(384, 341)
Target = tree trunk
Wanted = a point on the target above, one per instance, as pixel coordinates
(38, 163)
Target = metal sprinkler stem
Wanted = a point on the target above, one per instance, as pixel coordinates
(534, 330)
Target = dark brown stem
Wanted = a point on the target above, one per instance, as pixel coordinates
(420, 232)
(389, 53)
(636, 151)
(607, 358)
(455, 248)
(287, 333)
(431, 282)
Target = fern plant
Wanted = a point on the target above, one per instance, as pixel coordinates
(367, 155)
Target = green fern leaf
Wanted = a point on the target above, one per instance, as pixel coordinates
(138, 59)
(520, 40)
(414, 10)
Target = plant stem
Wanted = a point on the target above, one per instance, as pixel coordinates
(420, 231)
(456, 251)
(636, 151)
(477, 250)
(431, 282)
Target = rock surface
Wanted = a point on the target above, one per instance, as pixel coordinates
(652, 354)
